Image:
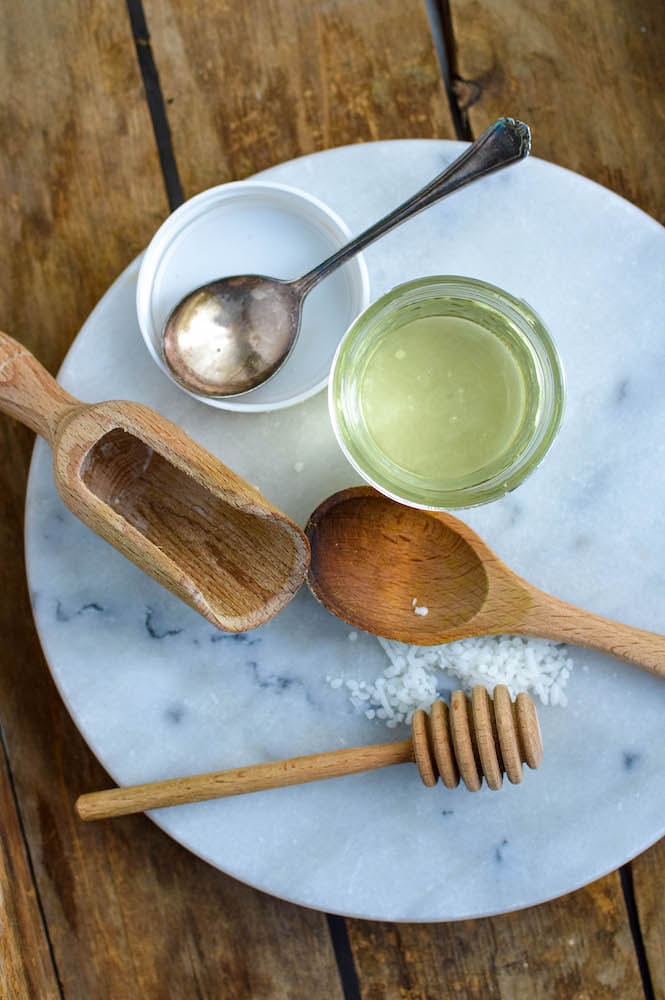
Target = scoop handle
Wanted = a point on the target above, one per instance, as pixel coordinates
(241, 780)
(27, 391)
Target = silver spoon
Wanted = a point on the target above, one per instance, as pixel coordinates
(233, 334)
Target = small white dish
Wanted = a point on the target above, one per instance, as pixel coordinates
(253, 227)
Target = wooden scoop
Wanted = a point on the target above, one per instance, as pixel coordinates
(424, 577)
(167, 504)
(471, 739)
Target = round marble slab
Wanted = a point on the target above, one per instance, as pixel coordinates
(157, 692)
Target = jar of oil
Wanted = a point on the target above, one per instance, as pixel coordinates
(446, 392)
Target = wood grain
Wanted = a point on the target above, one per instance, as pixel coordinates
(249, 85)
(129, 912)
(26, 969)
(68, 223)
(578, 948)
(586, 75)
(649, 887)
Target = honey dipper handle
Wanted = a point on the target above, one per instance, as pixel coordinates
(240, 780)
(27, 391)
(554, 619)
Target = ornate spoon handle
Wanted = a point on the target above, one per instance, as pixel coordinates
(505, 142)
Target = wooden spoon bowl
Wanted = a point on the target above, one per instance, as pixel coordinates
(424, 577)
(371, 558)
(167, 504)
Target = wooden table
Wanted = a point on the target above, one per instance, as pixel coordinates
(110, 115)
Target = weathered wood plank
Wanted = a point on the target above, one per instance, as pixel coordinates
(252, 84)
(578, 947)
(588, 75)
(80, 181)
(128, 911)
(26, 968)
(242, 958)
(649, 885)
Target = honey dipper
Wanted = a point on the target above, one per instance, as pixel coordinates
(167, 504)
(472, 739)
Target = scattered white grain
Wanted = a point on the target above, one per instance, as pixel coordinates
(416, 676)
(422, 611)
(352, 637)
(414, 601)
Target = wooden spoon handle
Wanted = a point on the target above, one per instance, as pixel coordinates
(238, 781)
(554, 619)
(27, 391)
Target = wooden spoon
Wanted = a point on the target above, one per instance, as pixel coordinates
(473, 739)
(376, 564)
(167, 504)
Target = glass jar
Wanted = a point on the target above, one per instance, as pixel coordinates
(519, 330)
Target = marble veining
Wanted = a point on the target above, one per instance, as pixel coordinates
(157, 692)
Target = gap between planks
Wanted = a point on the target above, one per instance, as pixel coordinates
(4, 753)
(443, 36)
(628, 890)
(346, 964)
(156, 104)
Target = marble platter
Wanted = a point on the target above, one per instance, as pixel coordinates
(156, 692)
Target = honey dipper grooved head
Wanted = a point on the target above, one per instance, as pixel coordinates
(478, 738)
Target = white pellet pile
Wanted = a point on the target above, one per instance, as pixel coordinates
(417, 675)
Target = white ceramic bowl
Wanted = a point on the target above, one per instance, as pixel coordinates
(253, 227)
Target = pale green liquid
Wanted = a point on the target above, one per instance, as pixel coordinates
(443, 398)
